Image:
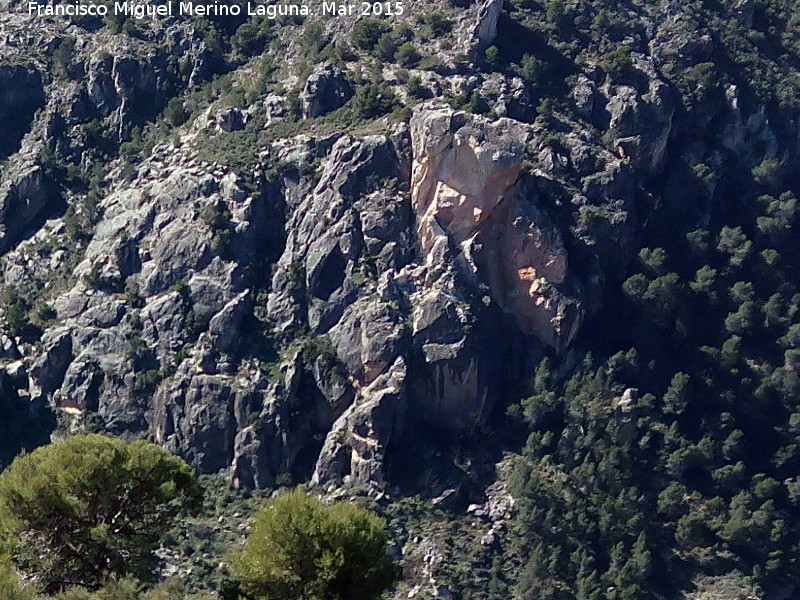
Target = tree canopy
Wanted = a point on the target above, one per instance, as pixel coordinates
(77, 511)
(301, 549)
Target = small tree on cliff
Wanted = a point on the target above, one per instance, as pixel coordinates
(75, 512)
(300, 549)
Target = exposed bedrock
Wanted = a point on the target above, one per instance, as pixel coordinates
(25, 193)
(467, 197)
(481, 29)
(407, 288)
(393, 309)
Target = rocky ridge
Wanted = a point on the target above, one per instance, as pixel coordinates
(317, 315)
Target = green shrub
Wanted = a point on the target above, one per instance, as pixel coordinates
(175, 113)
(11, 588)
(436, 24)
(556, 12)
(407, 55)
(252, 36)
(301, 549)
(704, 173)
(492, 56)
(415, 88)
(530, 69)
(62, 58)
(619, 61)
(367, 32)
(373, 100)
(386, 48)
(766, 173)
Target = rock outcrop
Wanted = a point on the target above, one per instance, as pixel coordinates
(400, 289)
(25, 193)
(466, 195)
(357, 444)
(481, 28)
(642, 122)
(326, 89)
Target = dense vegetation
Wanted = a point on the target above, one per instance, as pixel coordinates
(82, 519)
(669, 454)
(695, 468)
(91, 507)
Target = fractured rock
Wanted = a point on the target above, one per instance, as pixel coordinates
(466, 197)
(325, 90)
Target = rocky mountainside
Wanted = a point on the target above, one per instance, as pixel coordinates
(395, 260)
(336, 249)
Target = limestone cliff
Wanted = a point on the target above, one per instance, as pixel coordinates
(297, 281)
(466, 195)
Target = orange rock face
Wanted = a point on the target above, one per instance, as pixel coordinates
(467, 199)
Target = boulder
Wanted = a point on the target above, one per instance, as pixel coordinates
(326, 89)
(250, 468)
(48, 369)
(25, 193)
(481, 28)
(226, 325)
(231, 119)
(642, 124)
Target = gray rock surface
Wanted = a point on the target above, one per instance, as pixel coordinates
(481, 28)
(325, 90)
